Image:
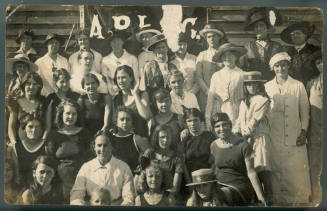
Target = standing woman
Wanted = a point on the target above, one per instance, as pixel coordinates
(24, 39)
(289, 119)
(130, 97)
(205, 66)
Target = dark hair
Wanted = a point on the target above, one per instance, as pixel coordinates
(83, 51)
(129, 72)
(33, 76)
(27, 118)
(192, 112)
(60, 110)
(262, 92)
(81, 32)
(174, 73)
(155, 137)
(60, 72)
(218, 117)
(17, 62)
(89, 76)
(96, 135)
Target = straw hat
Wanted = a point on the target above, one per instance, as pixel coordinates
(154, 40)
(304, 26)
(20, 58)
(237, 50)
(146, 30)
(212, 28)
(253, 76)
(26, 32)
(202, 176)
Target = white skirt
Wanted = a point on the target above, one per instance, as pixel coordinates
(262, 153)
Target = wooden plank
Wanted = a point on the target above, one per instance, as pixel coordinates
(13, 32)
(42, 20)
(45, 7)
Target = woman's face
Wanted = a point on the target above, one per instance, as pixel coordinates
(124, 81)
(43, 174)
(204, 190)
(182, 48)
(319, 65)
(25, 42)
(164, 139)
(261, 30)
(31, 87)
(223, 129)
(69, 115)
(86, 60)
(33, 130)
(229, 59)
(21, 68)
(83, 42)
(103, 149)
(252, 87)
(212, 39)
(117, 44)
(53, 46)
(153, 178)
(62, 83)
(161, 50)
(124, 121)
(164, 105)
(90, 85)
(176, 84)
(298, 37)
(193, 124)
(281, 69)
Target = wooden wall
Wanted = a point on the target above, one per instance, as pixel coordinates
(42, 19)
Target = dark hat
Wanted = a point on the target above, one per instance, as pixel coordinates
(154, 40)
(123, 34)
(212, 28)
(253, 76)
(238, 50)
(25, 31)
(146, 30)
(220, 117)
(49, 37)
(304, 26)
(20, 58)
(202, 176)
(270, 16)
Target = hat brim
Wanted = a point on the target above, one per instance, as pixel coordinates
(59, 39)
(154, 31)
(29, 34)
(199, 183)
(151, 45)
(240, 51)
(286, 33)
(10, 62)
(204, 31)
(249, 26)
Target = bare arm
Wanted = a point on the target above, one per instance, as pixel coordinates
(142, 104)
(177, 182)
(107, 112)
(12, 125)
(48, 121)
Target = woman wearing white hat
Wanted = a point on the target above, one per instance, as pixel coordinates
(289, 120)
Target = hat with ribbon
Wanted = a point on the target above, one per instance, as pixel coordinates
(27, 32)
(202, 176)
(306, 27)
(253, 76)
(212, 28)
(57, 37)
(154, 40)
(146, 30)
(237, 50)
(281, 56)
(20, 58)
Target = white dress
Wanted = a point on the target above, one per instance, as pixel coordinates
(289, 113)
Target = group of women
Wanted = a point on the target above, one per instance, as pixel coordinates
(213, 130)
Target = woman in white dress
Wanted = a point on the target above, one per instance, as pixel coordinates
(289, 119)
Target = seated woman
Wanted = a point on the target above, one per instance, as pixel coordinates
(130, 97)
(46, 188)
(233, 164)
(69, 144)
(205, 192)
(104, 171)
(154, 194)
(95, 105)
(126, 144)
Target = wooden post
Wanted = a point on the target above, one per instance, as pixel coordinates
(82, 16)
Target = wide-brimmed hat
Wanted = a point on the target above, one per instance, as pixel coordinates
(51, 36)
(212, 28)
(202, 176)
(253, 76)
(20, 58)
(270, 16)
(281, 56)
(154, 40)
(25, 31)
(146, 30)
(304, 26)
(238, 51)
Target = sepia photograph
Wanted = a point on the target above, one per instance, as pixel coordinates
(163, 106)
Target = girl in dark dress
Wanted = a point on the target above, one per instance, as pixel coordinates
(154, 194)
(46, 188)
(69, 144)
(130, 97)
(127, 145)
(95, 106)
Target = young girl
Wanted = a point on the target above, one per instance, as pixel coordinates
(100, 197)
(127, 145)
(45, 188)
(253, 123)
(154, 193)
(226, 87)
(95, 105)
(69, 143)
